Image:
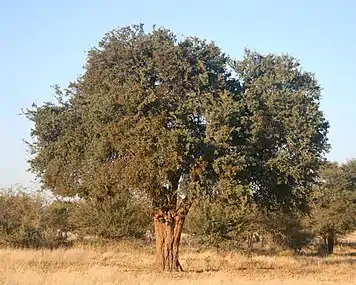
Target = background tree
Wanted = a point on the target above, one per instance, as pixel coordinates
(164, 118)
(334, 202)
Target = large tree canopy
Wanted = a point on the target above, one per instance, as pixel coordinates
(178, 120)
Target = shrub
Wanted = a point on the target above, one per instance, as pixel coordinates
(218, 224)
(21, 219)
(289, 231)
(112, 218)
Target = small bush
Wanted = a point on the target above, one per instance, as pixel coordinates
(21, 219)
(113, 218)
(29, 221)
(289, 231)
(218, 225)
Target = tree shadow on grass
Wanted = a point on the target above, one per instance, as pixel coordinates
(351, 245)
(310, 260)
(202, 270)
(352, 254)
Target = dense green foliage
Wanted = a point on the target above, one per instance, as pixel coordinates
(167, 118)
(158, 124)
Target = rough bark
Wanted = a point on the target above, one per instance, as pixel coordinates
(330, 243)
(168, 230)
(249, 242)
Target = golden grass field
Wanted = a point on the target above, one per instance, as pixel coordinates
(132, 263)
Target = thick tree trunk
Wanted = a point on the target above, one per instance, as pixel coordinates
(263, 242)
(331, 243)
(249, 242)
(168, 229)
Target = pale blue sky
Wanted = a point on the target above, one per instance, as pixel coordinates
(45, 42)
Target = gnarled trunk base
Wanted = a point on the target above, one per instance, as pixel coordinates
(330, 243)
(168, 229)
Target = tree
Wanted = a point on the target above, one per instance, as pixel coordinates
(177, 121)
(333, 202)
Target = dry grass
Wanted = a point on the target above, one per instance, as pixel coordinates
(132, 263)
